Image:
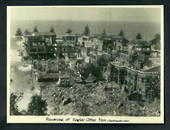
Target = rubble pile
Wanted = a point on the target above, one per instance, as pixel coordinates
(99, 99)
(82, 99)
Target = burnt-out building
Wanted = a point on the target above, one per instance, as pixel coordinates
(70, 38)
(118, 73)
(138, 72)
(44, 74)
(108, 44)
(40, 45)
(139, 53)
(114, 42)
(140, 80)
(67, 50)
(134, 81)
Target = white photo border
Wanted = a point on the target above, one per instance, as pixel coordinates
(87, 119)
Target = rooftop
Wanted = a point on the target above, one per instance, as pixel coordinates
(116, 37)
(139, 43)
(43, 34)
(148, 70)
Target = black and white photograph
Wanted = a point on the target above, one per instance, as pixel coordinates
(85, 64)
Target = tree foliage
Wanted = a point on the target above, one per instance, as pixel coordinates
(102, 60)
(37, 106)
(121, 33)
(52, 30)
(26, 32)
(14, 98)
(138, 36)
(156, 41)
(35, 29)
(157, 37)
(13, 108)
(104, 32)
(85, 70)
(154, 90)
(69, 31)
(18, 32)
(86, 30)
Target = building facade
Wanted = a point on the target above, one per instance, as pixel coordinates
(134, 81)
(40, 45)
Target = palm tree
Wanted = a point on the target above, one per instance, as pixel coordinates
(52, 30)
(18, 32)
(69, 31)
(156, 41)
(121, 33)
(26, 32)
(138, 36)
(86, 30)
(104, 32)
(157, 38)
(35, 29)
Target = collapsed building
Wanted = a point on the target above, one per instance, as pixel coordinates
(70, 38)
(67, 50)
(136, 74)
(46, 70)
(114, 42)
(134, 80)
(132, 64)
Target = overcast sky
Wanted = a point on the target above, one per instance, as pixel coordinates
(86, 13)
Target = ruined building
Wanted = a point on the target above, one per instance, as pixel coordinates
(137, 74)
(39, 45)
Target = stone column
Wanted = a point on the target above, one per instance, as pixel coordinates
(118, 76)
